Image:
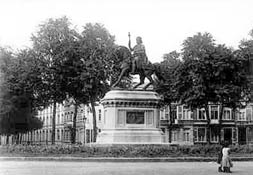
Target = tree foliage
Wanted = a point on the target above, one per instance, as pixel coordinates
(90, 67)
(246, 51)
(210, 73)
(73, 65)
(17, 94)
(168, 68)
(50, 43)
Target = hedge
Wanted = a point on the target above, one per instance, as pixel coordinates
(123, 150)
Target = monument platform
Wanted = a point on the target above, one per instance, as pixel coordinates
(131, 116)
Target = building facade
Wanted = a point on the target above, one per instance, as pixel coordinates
(190, 127)
(180, 126)
(63, 124)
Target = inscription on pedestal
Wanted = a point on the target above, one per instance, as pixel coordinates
(135, 117)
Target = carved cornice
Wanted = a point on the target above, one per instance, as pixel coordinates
(131, 103)
(126, 98)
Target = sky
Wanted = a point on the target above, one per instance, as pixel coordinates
(162, 24)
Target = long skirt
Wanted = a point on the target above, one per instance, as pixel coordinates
(226, 162)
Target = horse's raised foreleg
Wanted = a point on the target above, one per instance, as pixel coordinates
(137, 85)
(142, 78)
(146, 86)
(151, 81)
(120, 77)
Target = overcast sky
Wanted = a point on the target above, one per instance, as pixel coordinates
(163, 24)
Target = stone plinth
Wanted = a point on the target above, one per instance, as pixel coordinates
(131, 117)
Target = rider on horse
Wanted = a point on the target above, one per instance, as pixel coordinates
(145, 70)
(139, 53)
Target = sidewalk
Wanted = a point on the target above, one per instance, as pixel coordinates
(122, 159)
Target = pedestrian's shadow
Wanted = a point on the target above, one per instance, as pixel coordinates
(236, 171)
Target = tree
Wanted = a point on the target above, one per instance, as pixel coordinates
(5, 61)
(246, 51)
(166, 88)
(17, 95)
(72, 85)
(198, 46)
(50, 44)
(172, 58)
(89, 65)
(20, 119)
(210, 73)
(230, 80)
(96, 48)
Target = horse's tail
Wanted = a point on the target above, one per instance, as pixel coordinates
(158, 72)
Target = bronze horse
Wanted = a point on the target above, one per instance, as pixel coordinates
(123, 53)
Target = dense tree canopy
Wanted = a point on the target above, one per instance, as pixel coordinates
(168, 69)
(74, 65)
(17, 95)
(90, 67)
(50, 43)
(210, 73)
(166, 88)
(246, 51)
(213, 73)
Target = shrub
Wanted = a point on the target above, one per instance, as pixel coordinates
(123, 150)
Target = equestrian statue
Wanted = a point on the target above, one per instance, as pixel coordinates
(136, 63)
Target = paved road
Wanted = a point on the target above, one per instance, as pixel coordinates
(120, 168)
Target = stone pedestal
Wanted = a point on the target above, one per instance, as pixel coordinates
(131, 117)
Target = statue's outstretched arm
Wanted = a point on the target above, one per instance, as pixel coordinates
(129, 45)
(129, 42)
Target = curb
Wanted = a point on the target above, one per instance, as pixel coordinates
(112, 159)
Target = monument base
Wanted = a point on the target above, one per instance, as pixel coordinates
(131, 117)
(131, 136)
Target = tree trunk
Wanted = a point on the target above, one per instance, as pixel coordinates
(84, 133)
(20, 139)
(170, 124)
(220, 122)
(94, 121)
(73, 130)
(17, 138)
(53, 124)
(31, 139)
(7, 139)
(208, 124)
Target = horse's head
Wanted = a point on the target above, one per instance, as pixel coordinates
(123, 53)
(124, 56)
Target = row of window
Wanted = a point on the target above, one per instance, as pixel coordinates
(66, 118)
(186, 114)
(183, 113)
(198, 134)
(60, 135)
(44, 135)
(50, 109)
(48, 119)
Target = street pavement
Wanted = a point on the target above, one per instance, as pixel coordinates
(117, 168)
